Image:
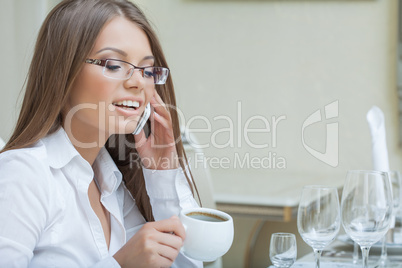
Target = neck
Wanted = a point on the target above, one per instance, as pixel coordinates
(87, 139)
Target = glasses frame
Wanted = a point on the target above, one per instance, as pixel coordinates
(141, 69)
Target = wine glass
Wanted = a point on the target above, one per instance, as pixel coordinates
(318, 217)
(396, 186)
(355, 253)
(283, 249)
(366, 208)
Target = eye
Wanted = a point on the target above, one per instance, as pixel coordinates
(149, 73)
(114, 66)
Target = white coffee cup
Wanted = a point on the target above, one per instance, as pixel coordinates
(209, 233)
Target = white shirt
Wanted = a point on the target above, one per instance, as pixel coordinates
(46, 219)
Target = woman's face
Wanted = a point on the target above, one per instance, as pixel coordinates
(96, 101)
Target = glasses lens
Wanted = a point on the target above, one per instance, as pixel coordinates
(117, 69)
(121, 70)
(158, 75)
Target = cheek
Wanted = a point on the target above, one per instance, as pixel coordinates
(92, 89)
(149, 93)
(90, 94)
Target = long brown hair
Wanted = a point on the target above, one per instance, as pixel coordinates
(65, 39)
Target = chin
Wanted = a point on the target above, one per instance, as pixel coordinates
(125, 127)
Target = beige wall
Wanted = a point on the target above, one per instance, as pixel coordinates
(282, 58)
(278, 58)
(20, 21)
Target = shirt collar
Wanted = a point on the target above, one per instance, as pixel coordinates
(60, 150)
(107, 175)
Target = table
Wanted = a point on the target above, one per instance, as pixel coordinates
(342, 253)
(264, 195)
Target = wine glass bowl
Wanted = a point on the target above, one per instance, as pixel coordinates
(366, 207)
(396, 186)
(318, 217)
(283, 249)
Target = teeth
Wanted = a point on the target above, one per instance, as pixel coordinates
(128, 108)
(130, 103)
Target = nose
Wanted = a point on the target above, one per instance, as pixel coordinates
(136, 80)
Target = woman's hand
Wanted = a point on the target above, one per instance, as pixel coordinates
(158, 151)
(156, 244)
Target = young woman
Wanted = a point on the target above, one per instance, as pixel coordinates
(77, 188)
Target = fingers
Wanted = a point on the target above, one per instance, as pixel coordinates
(154, 245)
(171, 240)
(171, 225)
(167, 251)
(158, 100)
(163, 121)
(160, 106)
(160, 113)
(169, 237)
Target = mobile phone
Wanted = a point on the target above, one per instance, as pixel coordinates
(146, 114)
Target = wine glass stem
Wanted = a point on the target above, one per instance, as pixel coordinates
(317, 256)
(365, 254)
(383, 258)
(355, 253)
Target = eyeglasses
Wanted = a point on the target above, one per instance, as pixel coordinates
(122, 70)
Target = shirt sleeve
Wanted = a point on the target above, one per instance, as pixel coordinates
(24, 207)
(169, 192)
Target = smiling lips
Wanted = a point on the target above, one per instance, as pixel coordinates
(127, 104)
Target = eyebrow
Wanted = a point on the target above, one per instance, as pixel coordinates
(123, 53)
(149, 58)
(113, 49)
